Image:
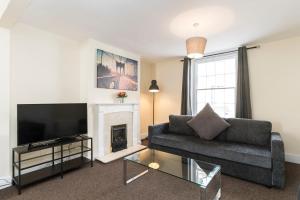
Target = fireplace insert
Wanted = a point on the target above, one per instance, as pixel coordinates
(118, 137)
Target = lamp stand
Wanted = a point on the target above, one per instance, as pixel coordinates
(153, 106)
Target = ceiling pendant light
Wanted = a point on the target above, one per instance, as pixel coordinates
(195, 47)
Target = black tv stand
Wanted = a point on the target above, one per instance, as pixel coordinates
(56, 157)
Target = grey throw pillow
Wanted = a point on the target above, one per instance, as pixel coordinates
(178, 124)
(207, 124)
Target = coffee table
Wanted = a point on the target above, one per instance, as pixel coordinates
(205, 175)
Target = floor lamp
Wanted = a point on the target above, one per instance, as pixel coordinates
(153, 89)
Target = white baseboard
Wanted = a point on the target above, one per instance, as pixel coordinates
(5, 182)
(144, 135)
(293, 158)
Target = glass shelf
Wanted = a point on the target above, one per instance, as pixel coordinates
(47, 158)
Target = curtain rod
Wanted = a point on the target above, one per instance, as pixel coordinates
(225, 52)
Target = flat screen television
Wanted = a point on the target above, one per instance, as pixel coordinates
(41, 122)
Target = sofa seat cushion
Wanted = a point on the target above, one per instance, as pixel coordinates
(241, 153)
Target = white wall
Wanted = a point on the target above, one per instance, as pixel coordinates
(44, 69)
(146, 104)
(48, 68)
(4, 102)
(88, 73)
(168, 74)
(275, 85)
(88, 82)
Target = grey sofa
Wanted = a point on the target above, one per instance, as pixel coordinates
(247, 149)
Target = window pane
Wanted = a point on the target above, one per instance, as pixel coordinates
(220, 80)
(219, 97)
(230, 96)
(201, 82)
(210, 82)
(230, 66)
(230, 80)
(201, 70)
(219, 109)
(201, 96)
(220, 67)
(229, 110)
(208, 96)
(216, 83)
(210, 68)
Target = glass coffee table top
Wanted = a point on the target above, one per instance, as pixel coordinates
(195, 171)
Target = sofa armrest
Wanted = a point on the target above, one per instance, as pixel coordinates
(277, 147)
(155, 130)
(278, 160)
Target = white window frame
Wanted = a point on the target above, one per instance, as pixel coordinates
(195, 62)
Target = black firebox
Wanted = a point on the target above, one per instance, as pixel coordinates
(118, 137)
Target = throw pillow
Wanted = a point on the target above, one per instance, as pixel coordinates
(207, 124)
(178, 125)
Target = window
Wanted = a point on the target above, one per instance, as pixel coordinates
(215, 83)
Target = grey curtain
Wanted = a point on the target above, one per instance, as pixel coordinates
(243, 101)
(186, 94)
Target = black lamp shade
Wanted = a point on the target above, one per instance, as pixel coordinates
(153, 87)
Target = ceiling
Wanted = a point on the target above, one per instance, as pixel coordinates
(157, 29)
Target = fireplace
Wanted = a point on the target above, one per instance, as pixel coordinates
(118, 137)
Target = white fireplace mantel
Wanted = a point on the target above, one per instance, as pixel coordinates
(101, 110)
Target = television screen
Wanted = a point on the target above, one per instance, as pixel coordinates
(40, 122)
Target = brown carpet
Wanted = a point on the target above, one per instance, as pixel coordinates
(105, 182)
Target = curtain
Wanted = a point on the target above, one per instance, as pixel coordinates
(243, 101)
(187, 88)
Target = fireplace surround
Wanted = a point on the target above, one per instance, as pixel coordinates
(108, 115)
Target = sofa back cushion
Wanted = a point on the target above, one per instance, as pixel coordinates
(247, 131)
(178, 125)
(208, 124)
